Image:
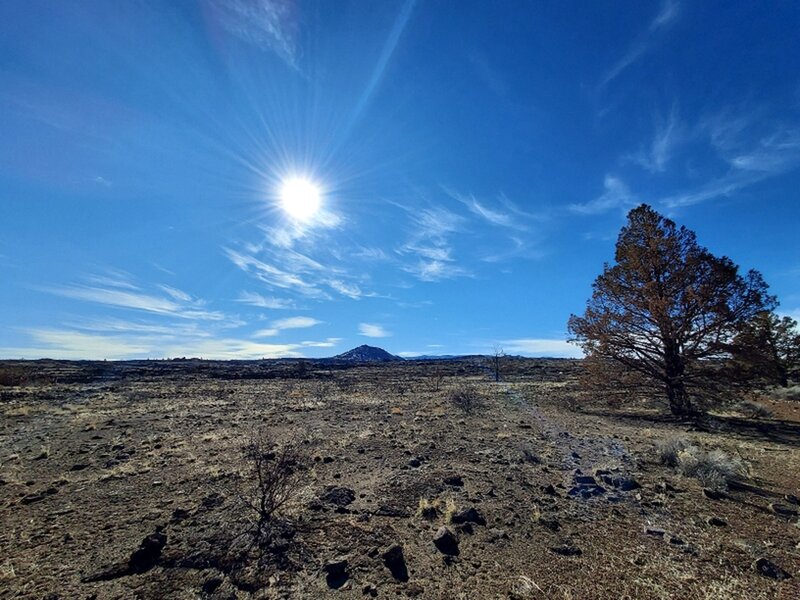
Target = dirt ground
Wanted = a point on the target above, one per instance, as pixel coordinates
(569, 499)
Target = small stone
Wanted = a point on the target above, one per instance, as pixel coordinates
(146, 556)
(446, 542)
(585, 480)
(792, 499)
(414, 462)
(783, 510)
(767, 568)
(716, 522)
(655, 531)
(454, 480)
(338, 496)
(469, 515)
(714, 494)
(337, 566)
(550, 490)
(336, 570)
(566, 550)
(394, 560)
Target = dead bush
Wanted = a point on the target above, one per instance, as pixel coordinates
(669, 449)
(754, 410)
(273, 477)
(466, 398)
(715, 469)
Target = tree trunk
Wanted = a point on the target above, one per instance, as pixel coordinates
(679, 402)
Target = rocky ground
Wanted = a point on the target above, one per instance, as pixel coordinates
(125, 480)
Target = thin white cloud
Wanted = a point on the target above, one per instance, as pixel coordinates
(372, 330)
(289, 323)
(76, 345)
(616, 195)
(430, 244)
(133, 300)
(492, 216)
(264, 23)
(668, 134)
(542, 347)
(667, 14)
(256, 299)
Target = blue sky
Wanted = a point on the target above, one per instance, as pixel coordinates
(475, 162)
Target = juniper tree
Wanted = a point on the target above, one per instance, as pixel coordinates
(667, 308)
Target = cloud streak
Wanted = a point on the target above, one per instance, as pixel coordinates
(372, 330)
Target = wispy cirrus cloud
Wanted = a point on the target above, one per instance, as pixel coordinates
(289, 323)
(668, 134)
(430, 244)
(372, 330)
(75, 345)
(176, 303)
(617, 195)
(266, 23)
(643, 43)
(261, 301)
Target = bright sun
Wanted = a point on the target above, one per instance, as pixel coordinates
(300, 198)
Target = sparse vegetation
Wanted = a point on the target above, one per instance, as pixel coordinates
(754, 410)
(715, 469)
(466, 398)
(273, 476)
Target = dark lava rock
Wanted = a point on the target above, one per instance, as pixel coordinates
(394, 560)
(454, 480)
(446, 542)
(655, 531)
(714, 494)
(551, 524)
(585, 480)
(587, 491)
(716, 522)
(414, 462)
(338, 496)
(566, 550)
(783, 510)
(769, 569)
(469, 515)
(622, 483)
(792, 499)
(210, 586)
(550, 490)
(146, 556)
(336, 570)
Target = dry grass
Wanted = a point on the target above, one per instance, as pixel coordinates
(715, 469)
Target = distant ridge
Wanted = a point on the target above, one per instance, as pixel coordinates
(366, 353)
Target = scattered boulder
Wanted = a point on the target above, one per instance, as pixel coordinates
(454, 480)
(336, 570)
(338, 496)
(621, 482)
(655, 531)
(783, 510)
(566, 550)
(716, 522)
(446, 542)
(394, 560)
(767, 568)
(146, 556)
(468, 515)
(712, 494)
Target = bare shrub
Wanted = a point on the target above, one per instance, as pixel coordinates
(274, 476)
(669, 450)
(436, 379)
(466, 398)
(754, 410)
(787, 393)
(714, 469)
